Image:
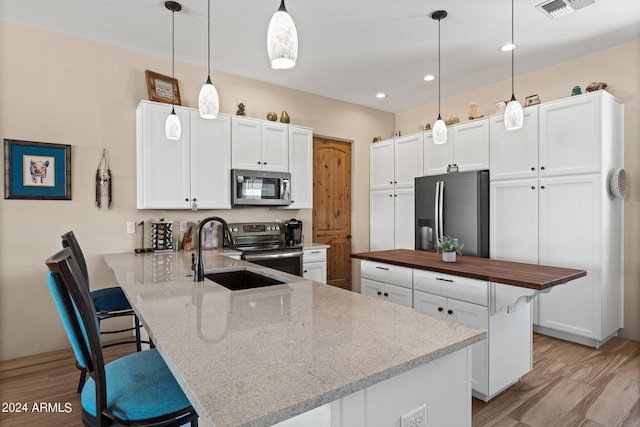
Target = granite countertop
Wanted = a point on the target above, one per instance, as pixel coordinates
(260, 356)
(532, 276)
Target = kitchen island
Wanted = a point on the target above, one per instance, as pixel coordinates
(262, 356)
(479, 292)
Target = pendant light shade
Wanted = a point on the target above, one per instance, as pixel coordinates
(282, 40)
(208, 101)
(439, 133)
(513, 114)
(172, 127)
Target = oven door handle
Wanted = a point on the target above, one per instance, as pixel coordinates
(260, 257)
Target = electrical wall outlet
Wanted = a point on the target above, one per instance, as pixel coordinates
(183, 226)
(415, 418)
(131, 227)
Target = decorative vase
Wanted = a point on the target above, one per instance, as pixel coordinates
(271, 116)
(449, 256)
(284, 117)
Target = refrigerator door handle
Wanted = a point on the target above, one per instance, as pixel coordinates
(441, 202)
(437, 203)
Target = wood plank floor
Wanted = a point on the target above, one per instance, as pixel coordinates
(570, 385)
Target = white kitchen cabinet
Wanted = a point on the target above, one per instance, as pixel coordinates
(314, 264)
(259, 145)
(467, 147)
(389, 282)
(301, 167)
(514, 153)
(192, 172)
(391, 222)
(567, 217)
(394, 164)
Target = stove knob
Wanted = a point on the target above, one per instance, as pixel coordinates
(277, 228)
(268, 228)
(234, 229)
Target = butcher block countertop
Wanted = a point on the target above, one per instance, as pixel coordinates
(532, 276)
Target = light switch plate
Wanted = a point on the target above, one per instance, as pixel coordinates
(131, 227)
(183, 226)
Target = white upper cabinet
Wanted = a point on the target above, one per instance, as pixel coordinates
(301, 167)
(192, 172)
(571, 132)
(381, 166)
(259, 145)
(408, 160)
(467, 147)
(514, 153)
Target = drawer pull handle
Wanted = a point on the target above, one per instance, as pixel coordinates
(450, 311)
(314, 252)
(382, 268)
(444, 280)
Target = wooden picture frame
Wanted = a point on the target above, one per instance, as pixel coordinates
(37, 170)
(162, 88)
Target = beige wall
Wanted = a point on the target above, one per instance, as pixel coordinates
(60, 89)
(619, 67)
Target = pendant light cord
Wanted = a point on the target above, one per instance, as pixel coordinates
(173, 58)
(209, 40)
(514, 48)
(439, 73)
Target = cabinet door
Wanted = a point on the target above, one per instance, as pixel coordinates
(210, 162)
(316, 271)
(477, 317)
(381, 220)
(513, 220)
(408, 160)
(570, 236)
(381, 174)
(301, 167)
(434, 305)
(398, 295)
(570, 135)
(437, 157)
(514, 153)
(246, 137)
(275, 147)
(371, 288)
(404, 223)
(471, 145)
(162, 164)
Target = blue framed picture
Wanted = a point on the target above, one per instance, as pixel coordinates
(37, 170)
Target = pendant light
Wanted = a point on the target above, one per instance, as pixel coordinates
(513, 114)
(172, 127)
(208, 101)
(282, 40)
(439, 132)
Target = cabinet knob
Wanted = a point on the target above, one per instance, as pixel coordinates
(395, 182)
(259, 163)
(390, 182)
(450, 311)
(186, 199)
(379, 293)
(533, 187)
(386, 294)
(440, 309)
(194, 199)
(264, 163)
(306, 271)
(541, 168)
(542, 186)
(395, 195)
(390, 195)
(533, 168)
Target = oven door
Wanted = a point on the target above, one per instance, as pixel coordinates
(289, 261)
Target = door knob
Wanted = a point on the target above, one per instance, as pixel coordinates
(349, 236)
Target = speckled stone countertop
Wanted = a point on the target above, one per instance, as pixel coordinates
(260, 356)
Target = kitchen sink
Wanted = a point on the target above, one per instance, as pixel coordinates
(242, 279)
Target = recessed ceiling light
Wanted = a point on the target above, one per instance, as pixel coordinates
(429, 77)
(381, 95)
(507, 47)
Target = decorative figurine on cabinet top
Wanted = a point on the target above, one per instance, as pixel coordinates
(284, 117)
(576, 91)
(532, 100)
(596, 86)
(271, 116)
(473, 111)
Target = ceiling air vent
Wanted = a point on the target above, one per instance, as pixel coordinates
(554, 9)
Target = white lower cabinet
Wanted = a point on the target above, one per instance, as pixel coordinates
(468, 314)
(504, 311)
(388, 282)
(314, 264)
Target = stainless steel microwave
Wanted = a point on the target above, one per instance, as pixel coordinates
(260, 188)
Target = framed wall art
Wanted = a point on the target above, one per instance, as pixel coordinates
(37, 170)
(162, 88)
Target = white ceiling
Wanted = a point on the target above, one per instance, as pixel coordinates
(349, 49)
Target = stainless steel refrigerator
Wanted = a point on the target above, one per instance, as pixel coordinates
(454, 205)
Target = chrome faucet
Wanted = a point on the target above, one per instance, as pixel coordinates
(198, 273)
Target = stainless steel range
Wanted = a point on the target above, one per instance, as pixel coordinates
(263, 243)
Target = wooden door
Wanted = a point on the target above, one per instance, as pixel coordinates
(332, 207)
